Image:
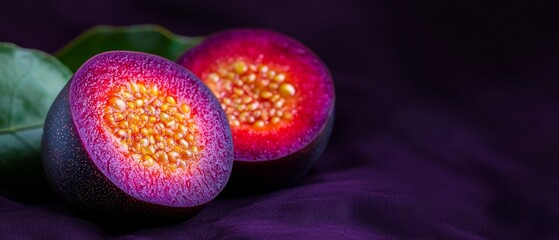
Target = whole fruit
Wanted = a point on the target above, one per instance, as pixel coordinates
(279, 100)
(135, 138)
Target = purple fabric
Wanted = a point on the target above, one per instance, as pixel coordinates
(446, 120)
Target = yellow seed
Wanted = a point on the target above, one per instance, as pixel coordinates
(188, 152)
(251, 119)
(134, 87)
(119, 116)
(279, 103)
(235, 123)
(136, 146)
(263, 68)
(279, 78)
(168, 132)
(184, 143)
(123, 124)
(172, 168)
(128, 95)
(263, 83)
(195, 149)
(247, 99)
(240, 67)
(143, 88)
(183, 128)
(271, 74)
(240, 107)
(238, 91)
(162, 157)
(253, 106)
(173, 157)
(144, 142)
(131, 105)
(275, 120)
(273, 86)
(152, 119)
(154, 91)
(135, 129)
(213, 77)
(275, 98)
(222, 72)
(239, 82)
(173, 110)
(157, 102)
(139, 103)
(144, 131)
(148, 161)
(164, 117)
(286, 90)
(287, 115)
(171, 100)
(130, 117)
(227, 101)
(259, 124)
(171, 124)
(118, 103)
(266, 94)
(185, 108)
(122, 133)
(151, 110)
(165, 107)
(144, 118)
(190, 137)
(251, 77)
(151, 150)
(160, 145)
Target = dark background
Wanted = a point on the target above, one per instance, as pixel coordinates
(446, 119)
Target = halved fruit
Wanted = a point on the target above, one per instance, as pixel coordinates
(137, 137)
(279, 100)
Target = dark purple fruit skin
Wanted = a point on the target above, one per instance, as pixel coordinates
(86, 190)
(251, 177)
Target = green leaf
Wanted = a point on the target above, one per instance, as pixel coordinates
(152, 39)
(29, 82)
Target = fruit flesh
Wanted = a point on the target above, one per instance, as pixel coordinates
(153, 128)
(93, 96)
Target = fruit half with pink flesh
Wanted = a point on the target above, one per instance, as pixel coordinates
(279, 100)
(133, 136)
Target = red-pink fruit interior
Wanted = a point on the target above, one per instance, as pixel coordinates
(276, 93)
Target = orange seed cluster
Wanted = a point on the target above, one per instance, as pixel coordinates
(253, 95)
(154, 128)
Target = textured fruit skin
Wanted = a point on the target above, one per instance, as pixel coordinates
(249, 177)
(76, 179)
(254, 174)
